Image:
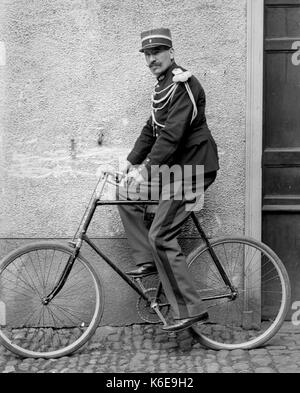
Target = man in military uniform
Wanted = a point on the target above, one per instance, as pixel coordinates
(175, 134)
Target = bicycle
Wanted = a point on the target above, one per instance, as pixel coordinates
(54, 298)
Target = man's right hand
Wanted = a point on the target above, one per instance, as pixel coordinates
(127, 168)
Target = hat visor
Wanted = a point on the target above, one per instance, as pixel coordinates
(154, 45)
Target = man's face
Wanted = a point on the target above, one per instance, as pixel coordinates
(158, 59)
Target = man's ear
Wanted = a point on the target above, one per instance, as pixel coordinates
(172, 54)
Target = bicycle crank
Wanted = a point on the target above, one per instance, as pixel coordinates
(153, 310)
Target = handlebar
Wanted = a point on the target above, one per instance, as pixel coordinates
(113, 178)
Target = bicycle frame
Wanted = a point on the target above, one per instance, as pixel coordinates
(84, 238)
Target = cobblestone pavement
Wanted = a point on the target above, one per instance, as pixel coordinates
(147, 349)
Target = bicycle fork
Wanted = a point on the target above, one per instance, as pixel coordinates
(63, 277)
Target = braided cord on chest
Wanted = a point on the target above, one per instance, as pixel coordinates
(165, 100)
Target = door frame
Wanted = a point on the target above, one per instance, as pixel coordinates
(254, 118)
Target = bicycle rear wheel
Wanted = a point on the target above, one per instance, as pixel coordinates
(30, 328)
(263, 288)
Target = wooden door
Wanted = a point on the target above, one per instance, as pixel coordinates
(281, 136)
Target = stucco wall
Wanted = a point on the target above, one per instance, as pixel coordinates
(73, 73)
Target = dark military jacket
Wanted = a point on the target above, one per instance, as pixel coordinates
(179, 142)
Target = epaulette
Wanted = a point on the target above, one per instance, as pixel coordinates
(180, 75)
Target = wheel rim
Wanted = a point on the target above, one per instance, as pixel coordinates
(263, 293)
(32, 328)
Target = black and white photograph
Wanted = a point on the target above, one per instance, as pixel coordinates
(149, 195)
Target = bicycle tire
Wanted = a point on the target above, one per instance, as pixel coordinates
(261, 279)
(30, 328)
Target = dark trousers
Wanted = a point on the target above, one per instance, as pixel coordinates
(159, 244)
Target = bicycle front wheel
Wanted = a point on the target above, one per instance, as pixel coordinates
(30, 328)
(262, 287)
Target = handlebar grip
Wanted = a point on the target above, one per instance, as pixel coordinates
(117, 177)
(114, 174)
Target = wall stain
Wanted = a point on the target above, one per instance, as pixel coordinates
(59, 163)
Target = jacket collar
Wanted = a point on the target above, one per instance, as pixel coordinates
(167, 73)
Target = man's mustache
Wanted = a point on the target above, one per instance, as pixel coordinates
(153, 64)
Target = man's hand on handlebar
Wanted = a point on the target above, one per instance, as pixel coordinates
(127, 168)
(132, 174)
(134, 177)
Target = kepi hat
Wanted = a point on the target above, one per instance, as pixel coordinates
(156, 37)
